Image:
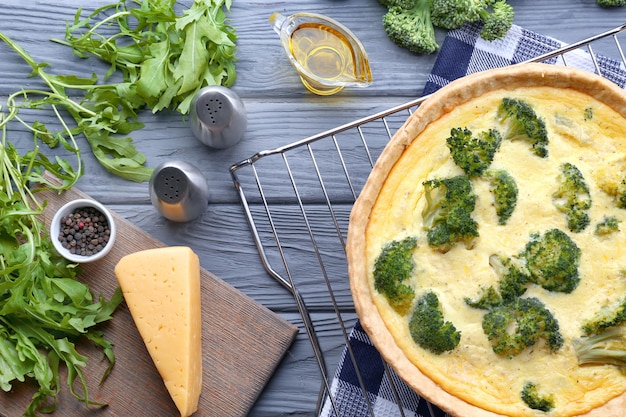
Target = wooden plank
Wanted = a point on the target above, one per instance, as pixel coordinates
(243, 342)
(280, 111)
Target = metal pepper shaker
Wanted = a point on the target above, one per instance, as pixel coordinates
(179, 191)
(217, 117)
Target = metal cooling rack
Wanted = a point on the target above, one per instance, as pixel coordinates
(286, 202)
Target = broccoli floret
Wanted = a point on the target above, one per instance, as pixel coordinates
(550, 261)
(605, 348)
(553, 260)
(513, 280)
(611, 3)
(521, 122)
(448, 14)
(405, 4)
(504, 190)
(608, 316)
(514, 326)
(497, 16)
(608, 225)
(615, 188)
(611, 179)
(535, 400)
(473, 153)
(411, 23)
(572, 197)
(488, 297)
(448, 211)
(513, 276)
(428, 327)
(408, 25)
(498, 21)
(393, 266)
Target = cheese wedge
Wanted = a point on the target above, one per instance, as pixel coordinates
(162, 290)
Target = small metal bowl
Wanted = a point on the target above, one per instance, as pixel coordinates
(69, 208)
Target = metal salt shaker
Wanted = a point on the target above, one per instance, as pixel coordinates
(179, 191)
(217, 117)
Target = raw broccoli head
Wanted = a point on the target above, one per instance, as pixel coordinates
(497, 16)
(520, 122)
(608, 316)
(513, 280)
(535, 400)
(410, 23)
(572, 197)
(473, 153)
(428, 327)
(605, 348)
(411, 27)
(504, 190)
(452, 14)
(497, 21)
(553, 260)
(393, 266)
(405, 4)
(608, 225)
(514, 326)
(611, 3)
(448, 211)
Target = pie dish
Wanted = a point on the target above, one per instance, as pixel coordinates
(585, 118)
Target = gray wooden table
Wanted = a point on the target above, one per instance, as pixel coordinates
(280, 111)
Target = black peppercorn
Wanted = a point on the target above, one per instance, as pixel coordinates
(84, 232)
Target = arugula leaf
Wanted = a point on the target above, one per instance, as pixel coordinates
(153, 79)
(44, 309)
(164, 60)
(168, 57)
(100, 116)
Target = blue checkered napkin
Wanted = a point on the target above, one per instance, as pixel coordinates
(348, 395)
(463, 52)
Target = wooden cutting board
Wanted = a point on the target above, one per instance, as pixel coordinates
(243, 342)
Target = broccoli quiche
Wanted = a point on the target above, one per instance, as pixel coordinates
(486, 249)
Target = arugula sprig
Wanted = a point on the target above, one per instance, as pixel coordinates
(166, 58)
(44, 309)
(102, 115)
(163, 58)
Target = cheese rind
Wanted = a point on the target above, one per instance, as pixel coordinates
(162, 290)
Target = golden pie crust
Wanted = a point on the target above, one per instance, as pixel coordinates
(416, 152)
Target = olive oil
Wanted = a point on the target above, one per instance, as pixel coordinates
(324, 52)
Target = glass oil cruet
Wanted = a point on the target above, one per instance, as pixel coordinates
(326, 54)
